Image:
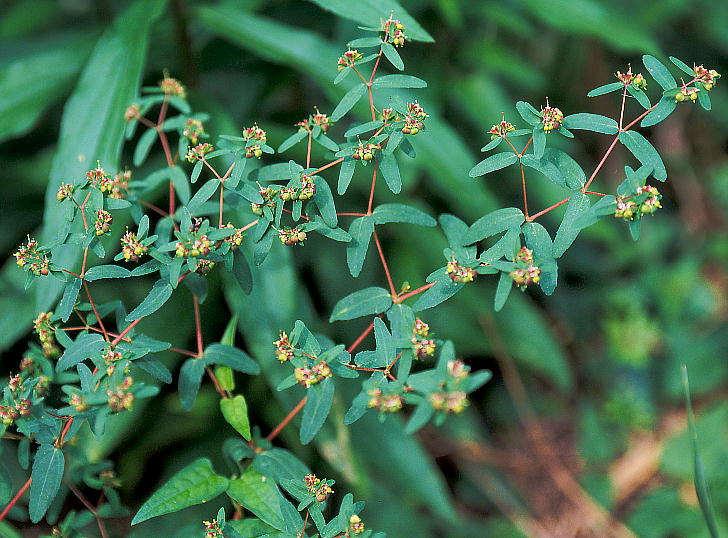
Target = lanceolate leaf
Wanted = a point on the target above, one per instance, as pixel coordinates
(232, 357)
(346, 172)
(106, 271)
(645, 152)
(505, 284)
(663, 109)
(591, 122)
(399, 81)
(361, 303)
(493, 223)
(577, 206)
(203, 195)
(85, 346)
(390, 170)
(607, 88)
(47, 473)
(197, 483)
(325, 202)
(68, 301)
(317, 408)
(361, 232)
(659, 72)
(158, 295)
(492, 163)
(348, 101)
(401, 213)
(393, 56)
(258, 494)
(190, 377)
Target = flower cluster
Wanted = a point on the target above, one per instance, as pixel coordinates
(422, 347)
(529, 273)
(291, 236)
(33, 258)
(103, 222)
(320, 488)
(252, 134)
(356, 525)
(45, 329)
(172, 87)
(349, 58)
(415, 118)
(551, 117)
(687, 93)
(311, 376)
(121, 399)
(638, 81)
(322, 120)
(131, 247)
(131, 112)
(212, 529)
(198, 152)
(65, 191)
(10, 413)
(284, 349)
(365, 152)
(236, 239)
(204, 267)
(460, 274)
(449, 402)
(707, 77)
(652, 202)
(499, 130)
(118, 187)
(111, 357)
(304, 192)
(194, 130)
(395, 30)
(199, 246)
(384, 403)
(647, 202)
(268, 194)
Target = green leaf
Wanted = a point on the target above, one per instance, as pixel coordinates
(363, 128)
(203, 195)
(385, 345)
(155, 299)
(292, 140)
(361, 230)
(235, 411)
(48, 465)
(607, 88)
(529, 114)
(6, 485)
(505, 284)
(421, 416)
(93, 119)
(24, 99)
(84, 347)
(659, 72)
(190, 377)
(390, 170)
(258, 494)
(493, 223)
(577, 206)
(640, 96)
(178, 177)
(68, 301)
(401, 213)
(361, 303)
(539, 141)
(704, 99)
(232, 357)
(591, 122)
(700, 481)
(399, 81)
(558, 166)
(683, 66)
(241, 271)
(393, 56)
(492, 163)
(325, 202)
(373, 12)
(318, 405)
(144, 145)
(365, 43)
(644, 152)
(197, 483)
(664, 108)
(346, 172)
(106, 271)
(348, 101)
(326, 142)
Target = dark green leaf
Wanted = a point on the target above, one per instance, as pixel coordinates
(591, 122)
(47, 473)
(292, 140)
(190, 377)
(390, 170)
(232, 357)
(361, 232)
(363, 128)
(539, 141)
(505, 284)
(393, 56)
(492, 163)
(155, 299)
(440, 292)
(241, 271)
(348, 101)
(640, 96)
(607, 88)
(197, 483)
(325, 202)
(659, 72)
(203, 195)
(68, 301)
(144, 145)
(493, 223)
(318, 405)
(577, 206)
(664, 108)
(644, 152)
(258, 494)
(346, 172)
(401, 213)
(361, 303)
(399, 81)
(683, 66)
(106, 271)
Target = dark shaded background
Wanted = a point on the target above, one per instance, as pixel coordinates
(582, 429)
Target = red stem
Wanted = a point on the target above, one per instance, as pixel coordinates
(386, 267)
(15, 499)
(198, 326)
(332, 163)
(407, 295)
(272, 435)
(360, 338)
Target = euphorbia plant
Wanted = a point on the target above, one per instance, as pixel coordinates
(231, 223)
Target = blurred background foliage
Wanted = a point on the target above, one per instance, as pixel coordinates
(582, 432)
